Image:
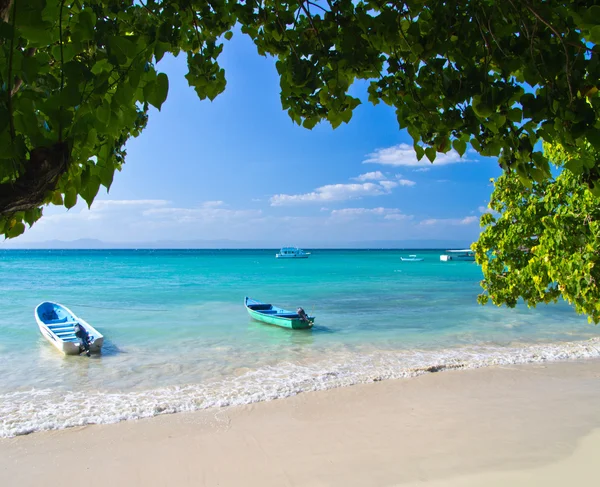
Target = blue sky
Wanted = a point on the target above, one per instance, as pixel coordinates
(239, 169)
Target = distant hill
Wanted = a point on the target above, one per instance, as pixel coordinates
(86, 243)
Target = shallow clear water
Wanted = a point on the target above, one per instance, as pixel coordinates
(177, 336)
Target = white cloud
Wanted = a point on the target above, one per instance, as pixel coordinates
(211, 204)
(334, 192)
(346, 191)
(389, 185)
(468, 220)
(404, 155)
(142, 220)
(485, 209)
(422, 169)
(101, 210)
(370, 176)
(110, 204)
(398, 216)
(386, 213)
(198, 215)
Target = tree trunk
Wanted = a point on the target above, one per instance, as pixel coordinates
(44, 167)
(43, 170)
(5, 6)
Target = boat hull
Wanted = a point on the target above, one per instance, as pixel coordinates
(279, 256)
(459, 258)
(293, 323)
(68, 347)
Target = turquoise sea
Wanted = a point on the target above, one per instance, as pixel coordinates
(178, 338)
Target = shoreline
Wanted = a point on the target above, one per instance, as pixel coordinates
(486, 423)
(36, 410)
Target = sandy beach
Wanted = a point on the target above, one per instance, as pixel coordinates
(524, 425)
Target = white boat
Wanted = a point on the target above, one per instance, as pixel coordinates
(411, 258)
(292, 253)
(462, 255)
(57, 324)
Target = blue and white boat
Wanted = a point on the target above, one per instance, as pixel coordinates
(57, 325)
(411, 258)
(292, 253)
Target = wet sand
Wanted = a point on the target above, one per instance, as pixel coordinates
(523, 425)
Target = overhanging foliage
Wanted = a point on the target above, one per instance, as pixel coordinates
(77, 78)
(544, 242)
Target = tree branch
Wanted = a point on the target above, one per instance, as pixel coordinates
(62, 66)
(318, 6)
(11, 120)
(307, 12)
(557, 34)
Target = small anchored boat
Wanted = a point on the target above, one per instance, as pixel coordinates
(63, 329)
(411, 258)
(292, 253)
(267, 313)
(462, 255)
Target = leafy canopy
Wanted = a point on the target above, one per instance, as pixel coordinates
(77, 78)
(544, 241)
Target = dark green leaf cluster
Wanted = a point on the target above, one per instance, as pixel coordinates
(77, 78)
(544, 242)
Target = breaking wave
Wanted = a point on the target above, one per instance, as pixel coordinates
(25, 412)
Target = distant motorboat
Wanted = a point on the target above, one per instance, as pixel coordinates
(292, 253)
(460, 255)
(267, 313)
(57, 324)
(411, 258)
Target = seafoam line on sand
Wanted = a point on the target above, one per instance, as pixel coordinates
(25, 412)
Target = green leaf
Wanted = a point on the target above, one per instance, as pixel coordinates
(17, 229)
(57, 198)
(70, 197)
(121, 45)
(157, 93)
(90, 190)
(103, 113)
(71, 95)
(594, 35)
(515, 115)
(459, 146)
(160, 49)
(86, 24)
(228, 35)
(430, 153)
(419, 151)
(39, 36)
(593, 136)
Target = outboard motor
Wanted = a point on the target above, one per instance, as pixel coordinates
(84, 338)
(302, 314)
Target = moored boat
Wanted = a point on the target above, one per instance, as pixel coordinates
(464, 255)
(267, 313)
(292, 253)
(411, 258)
(67, 332)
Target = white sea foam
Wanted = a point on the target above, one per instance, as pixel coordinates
(36, 410)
